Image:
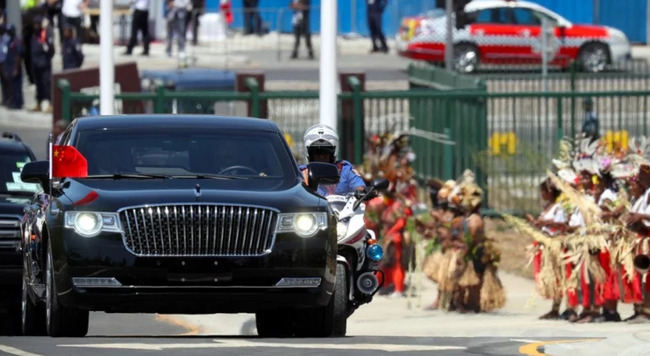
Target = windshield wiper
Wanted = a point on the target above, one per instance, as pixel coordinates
(118, 175)
(210, 176)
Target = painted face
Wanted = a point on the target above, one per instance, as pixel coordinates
(635, 188)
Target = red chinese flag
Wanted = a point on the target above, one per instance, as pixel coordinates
(68, 162)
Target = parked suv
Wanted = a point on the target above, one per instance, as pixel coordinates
(14, 195)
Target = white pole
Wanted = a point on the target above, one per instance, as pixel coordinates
(545, 53)
(353, 16)
(449, 41)
(106, 68)
(328, 78)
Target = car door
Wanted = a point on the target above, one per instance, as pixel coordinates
(497, 38)
(527, 26)
(557, 46)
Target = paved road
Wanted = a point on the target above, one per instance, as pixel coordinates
(187, 345)
(386, 326)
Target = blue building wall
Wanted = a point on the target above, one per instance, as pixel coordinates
(628, 15)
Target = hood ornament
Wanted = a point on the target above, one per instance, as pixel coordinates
(197, 192)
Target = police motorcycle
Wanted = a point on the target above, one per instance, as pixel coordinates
(358, 249)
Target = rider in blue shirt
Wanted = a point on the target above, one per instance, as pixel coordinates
(321, 142)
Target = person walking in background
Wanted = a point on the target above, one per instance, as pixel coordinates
(12, 69)
(72, 55)
(139, 23)
(252, 20)
(225, 8)
(30, 11)
(198, 8)
(590, 124)
(176, 15)
(300, 20)
(72, 11)
(375, 10)
(4, 48)
(53, 9)
(42, 48)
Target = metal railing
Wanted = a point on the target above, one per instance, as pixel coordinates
(508, 139)
(633, 75)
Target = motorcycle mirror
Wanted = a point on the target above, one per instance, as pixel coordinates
(322, 173)
(380, 183)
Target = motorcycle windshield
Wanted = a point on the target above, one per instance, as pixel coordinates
(337, 202)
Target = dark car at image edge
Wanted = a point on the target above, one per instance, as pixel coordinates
(14, 196)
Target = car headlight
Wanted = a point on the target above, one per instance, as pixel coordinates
(89, 224)
(303, 224)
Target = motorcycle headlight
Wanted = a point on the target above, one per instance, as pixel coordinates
(303, 224)
(341, 230)
(90, 224)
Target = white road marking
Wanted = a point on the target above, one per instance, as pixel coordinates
(15, 351)
(526, 341)
(219, 344)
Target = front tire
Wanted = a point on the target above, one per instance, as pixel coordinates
(330, 321)
(274, 324)
(466, 58)
(32, 316)
(61, 320)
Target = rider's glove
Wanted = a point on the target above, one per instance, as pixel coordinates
(361, 193)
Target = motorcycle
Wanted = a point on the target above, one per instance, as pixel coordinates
(358, 249)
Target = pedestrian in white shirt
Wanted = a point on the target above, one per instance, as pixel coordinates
(139, 23)
(72, 11)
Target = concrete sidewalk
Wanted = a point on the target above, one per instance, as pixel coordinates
(405, 317)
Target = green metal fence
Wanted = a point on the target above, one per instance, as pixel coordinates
(507, 139)
(630, 75)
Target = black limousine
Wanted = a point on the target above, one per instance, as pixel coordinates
(179, 214)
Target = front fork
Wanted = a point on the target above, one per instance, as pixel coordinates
(362, 283)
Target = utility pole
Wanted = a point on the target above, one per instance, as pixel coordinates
(106, 67)
(328, 80)
(545, 52)
(449, 42)
(14, 16)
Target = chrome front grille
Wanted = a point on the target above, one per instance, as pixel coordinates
(198, 230)
(9, 228)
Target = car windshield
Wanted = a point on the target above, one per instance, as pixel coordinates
(186, 153)
(10, 166)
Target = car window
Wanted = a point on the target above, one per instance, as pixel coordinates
(65, 138)
(10, 166)
(552, 21)
(497, 15)
(526, 17)
(186, 152)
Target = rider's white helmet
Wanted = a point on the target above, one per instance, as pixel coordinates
(321, 138)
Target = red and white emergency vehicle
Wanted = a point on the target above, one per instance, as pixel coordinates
(510, 32)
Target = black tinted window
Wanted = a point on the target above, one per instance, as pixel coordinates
(497, 15)
(526, 17)
(10, 166)
(186, 152)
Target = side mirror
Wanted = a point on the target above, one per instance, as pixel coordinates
(380, 184)
(37, 172)
(322, 173)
